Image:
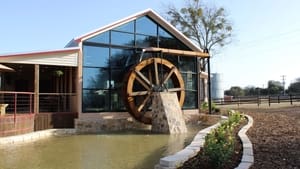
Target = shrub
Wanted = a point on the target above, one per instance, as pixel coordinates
(219, 144)
(204, 106)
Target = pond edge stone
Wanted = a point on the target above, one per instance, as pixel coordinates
(34, 136)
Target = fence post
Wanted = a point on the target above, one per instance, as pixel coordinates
(15, 112)
(291, 99)
(278, 99)
(269, 101)
(258, 101)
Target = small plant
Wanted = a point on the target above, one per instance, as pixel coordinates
(204, 106)
(219, 144)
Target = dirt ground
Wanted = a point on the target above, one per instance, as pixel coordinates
(275, 136)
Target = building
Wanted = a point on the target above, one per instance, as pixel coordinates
(84, 80)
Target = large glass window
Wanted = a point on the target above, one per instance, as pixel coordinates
(108, 56)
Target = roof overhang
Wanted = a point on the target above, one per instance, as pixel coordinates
(61, 57)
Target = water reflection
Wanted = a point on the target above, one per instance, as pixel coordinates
(130, 150)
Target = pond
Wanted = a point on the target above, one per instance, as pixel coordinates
(123, 150)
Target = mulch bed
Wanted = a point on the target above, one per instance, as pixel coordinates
(275, 136)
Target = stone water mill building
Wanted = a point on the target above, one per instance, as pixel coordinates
(92, 80)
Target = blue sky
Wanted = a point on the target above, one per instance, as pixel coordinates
(264, 46)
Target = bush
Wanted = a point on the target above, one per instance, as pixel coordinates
(204, 106)
(219, 144)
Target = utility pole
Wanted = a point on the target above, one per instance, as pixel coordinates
(283, 83)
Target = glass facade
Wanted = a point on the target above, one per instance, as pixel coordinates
(108, 56)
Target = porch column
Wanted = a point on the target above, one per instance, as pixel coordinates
(36, 88)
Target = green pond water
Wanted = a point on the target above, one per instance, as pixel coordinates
(126, 150)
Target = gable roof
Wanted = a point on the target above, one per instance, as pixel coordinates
(148, 12)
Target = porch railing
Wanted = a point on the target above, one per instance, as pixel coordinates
(12, 103)
(16, 102)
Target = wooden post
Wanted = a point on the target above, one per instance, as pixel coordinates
(291, 99)
(36, 88)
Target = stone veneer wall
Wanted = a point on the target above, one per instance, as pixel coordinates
(116, 121)
(108, 123)
(167, 115)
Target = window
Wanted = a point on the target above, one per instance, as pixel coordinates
(146, 26)
(122, 39)
(94, 78)
(163, 33)
(120, 57)
(108, 56)
(95, 100)
(190, 101)
(146, 41)
(101, 38)
(190, 80)
(129, 27)
(187, 64)
(95, 56)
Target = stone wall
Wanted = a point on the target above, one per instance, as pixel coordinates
(167, 116)
(117, 121)
(96, 125)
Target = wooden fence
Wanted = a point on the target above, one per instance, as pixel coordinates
(258, 100)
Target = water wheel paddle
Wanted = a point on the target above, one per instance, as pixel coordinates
(148, 76)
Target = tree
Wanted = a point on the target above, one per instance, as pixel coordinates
(206, 26)
(274, 87)
(235, 91)
(294, 87)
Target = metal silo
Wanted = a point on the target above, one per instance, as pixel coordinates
(217, 91)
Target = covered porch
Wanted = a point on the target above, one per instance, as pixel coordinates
(38, 94)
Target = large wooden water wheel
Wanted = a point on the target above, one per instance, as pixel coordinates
(152, 75)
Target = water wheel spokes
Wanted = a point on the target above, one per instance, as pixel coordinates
(150, 75)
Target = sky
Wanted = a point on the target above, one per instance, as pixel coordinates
(265, 43)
